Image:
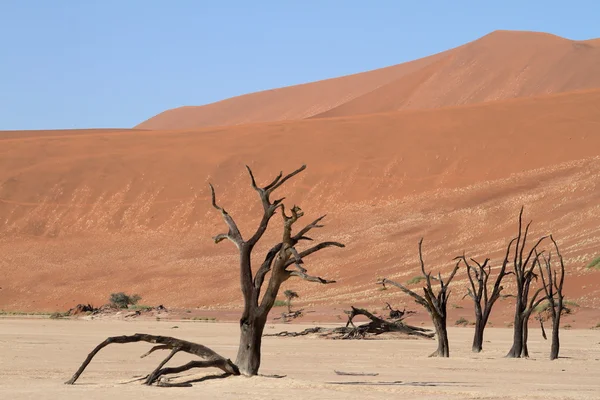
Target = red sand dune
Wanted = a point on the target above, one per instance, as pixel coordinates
(87, 213)
(501, 65)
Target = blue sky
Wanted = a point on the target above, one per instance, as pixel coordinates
(115, 63)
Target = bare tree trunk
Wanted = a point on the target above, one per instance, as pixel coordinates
(555, 346)
(478, 336)
(517, 347)
(441, 332)
(248, 356)
(524, 348)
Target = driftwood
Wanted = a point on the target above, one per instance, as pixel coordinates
(209, 357)
(375, 327)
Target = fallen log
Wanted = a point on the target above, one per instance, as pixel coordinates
(210, 358)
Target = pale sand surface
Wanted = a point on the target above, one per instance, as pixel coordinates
(37, 356)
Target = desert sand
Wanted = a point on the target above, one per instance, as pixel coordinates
(447, 148)
(501, 65)
(37, 356)
(85, 214)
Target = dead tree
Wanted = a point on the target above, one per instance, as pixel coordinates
(479, 292)
(524, 272)
(289, 295)
(210, 358)
(282, 261)
(434, 303)
(554, 295)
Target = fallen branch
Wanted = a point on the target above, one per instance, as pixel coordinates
(210, 358)
(355, 373)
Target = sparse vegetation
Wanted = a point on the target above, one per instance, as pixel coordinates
(597, 326)
(462, 321)
(207, 319)
(140, 307)
(280, 303)
(122, 300)
(415, 279)
(595, 263)
(289, 295)
(58, 315)
(3, 312)
(456, 306)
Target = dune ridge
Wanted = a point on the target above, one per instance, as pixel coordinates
(500, 65)
(87, 213)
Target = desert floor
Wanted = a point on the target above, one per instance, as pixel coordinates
(38, 355)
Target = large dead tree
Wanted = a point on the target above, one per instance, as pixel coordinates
(434, 303)
(282, 262)
(479, 274)
(524, 267)
(553, 288)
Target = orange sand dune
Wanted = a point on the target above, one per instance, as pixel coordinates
(84, 215)
(501, 65)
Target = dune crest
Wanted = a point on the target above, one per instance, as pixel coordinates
(500, 65)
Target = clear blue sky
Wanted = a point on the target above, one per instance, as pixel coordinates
(115, 63)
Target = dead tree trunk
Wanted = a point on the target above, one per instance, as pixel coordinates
(211, 359)
(523, 269)
(435, 304)
(277, 262)
(554, 295)
(479, 292)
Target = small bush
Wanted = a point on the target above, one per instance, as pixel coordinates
(456, 306)
(57, 315)
(204, 319)
(570, 303)
(141, 307)
(595, 263)
(597, 326)
(280, 303)
(415, 279)
(461, 321)
(122, 300)
(567, 326)
(543, 306)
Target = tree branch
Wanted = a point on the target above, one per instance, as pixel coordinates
(234, 233)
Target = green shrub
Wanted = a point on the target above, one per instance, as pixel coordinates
(122, 300)
(57, 315)
(595, 263)
(280, 303)
(462, 321)
(415, 279)
(204, 319)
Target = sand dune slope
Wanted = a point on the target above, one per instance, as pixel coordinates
(86, 213)
(501, 65)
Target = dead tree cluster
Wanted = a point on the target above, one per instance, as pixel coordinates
(260, 287)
